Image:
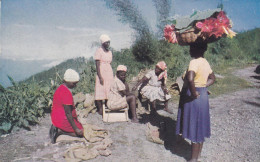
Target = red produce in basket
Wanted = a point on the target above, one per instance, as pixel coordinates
(206, 30)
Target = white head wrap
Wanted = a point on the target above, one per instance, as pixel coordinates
(71, 76)
(121, 68)
(104, 38)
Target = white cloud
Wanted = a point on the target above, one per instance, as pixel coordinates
(70, 29)
(28, 42)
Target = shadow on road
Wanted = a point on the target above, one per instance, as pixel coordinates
(255, 77)
(257, 104)
(253, 103)
(167, 127)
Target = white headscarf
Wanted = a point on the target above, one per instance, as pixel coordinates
(71, 76)
(121, 68)
(104, 38)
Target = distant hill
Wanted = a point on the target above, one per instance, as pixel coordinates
(77, 64)
(87, 70)
(19, 69)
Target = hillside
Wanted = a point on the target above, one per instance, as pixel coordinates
(26, 69)
(58, 70)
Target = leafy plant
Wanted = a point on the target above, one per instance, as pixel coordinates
(22, 104)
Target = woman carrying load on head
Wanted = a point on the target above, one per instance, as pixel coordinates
(104, 77)
(193, 120)
(120, 96)
(153, 86)
(63, 113)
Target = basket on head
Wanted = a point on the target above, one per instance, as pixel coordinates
(202, 27)
(194, 35)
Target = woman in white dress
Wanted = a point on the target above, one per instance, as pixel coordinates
(153, 86)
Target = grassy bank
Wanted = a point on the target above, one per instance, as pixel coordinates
(227, 82)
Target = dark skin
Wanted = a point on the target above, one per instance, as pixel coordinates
(197, 52)
(99, 103)
(68, 111)
(130, 98)
(158, 71)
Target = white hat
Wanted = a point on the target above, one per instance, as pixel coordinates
(121, 68)
(104, 38)
(71, 75)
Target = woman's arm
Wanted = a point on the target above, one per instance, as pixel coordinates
(98, 72)
(127, 89)
(125, 92)
(143, 80)
(211, 79)
(190, 77)
(68, 112)
(122, 93)
(163, 86)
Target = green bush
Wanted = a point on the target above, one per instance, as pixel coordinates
(22, 104)
(87, 77)
(249, 44)
(176, 57)
(145, 49)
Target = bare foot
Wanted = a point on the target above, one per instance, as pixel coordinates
(135, 121)
(100, 112)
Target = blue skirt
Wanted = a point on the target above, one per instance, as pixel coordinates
(193, 120)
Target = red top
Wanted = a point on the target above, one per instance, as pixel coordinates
(62, 96)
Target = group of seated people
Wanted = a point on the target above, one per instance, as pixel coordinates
(151, 86)
(112, 89)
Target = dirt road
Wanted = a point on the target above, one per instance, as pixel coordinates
(235, 119)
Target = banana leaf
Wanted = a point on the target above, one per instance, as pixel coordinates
(12, 81)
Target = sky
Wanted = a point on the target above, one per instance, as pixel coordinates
(48, 32)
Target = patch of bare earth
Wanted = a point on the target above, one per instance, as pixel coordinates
(235, 119)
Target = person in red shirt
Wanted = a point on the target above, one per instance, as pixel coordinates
(63, 113)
